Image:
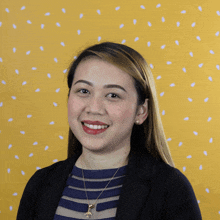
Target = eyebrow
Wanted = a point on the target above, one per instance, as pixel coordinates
(105, 86)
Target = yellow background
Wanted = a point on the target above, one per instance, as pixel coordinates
(39, 39)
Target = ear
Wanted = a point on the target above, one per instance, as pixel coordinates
(142, 112)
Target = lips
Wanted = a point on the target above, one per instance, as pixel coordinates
(94, 122)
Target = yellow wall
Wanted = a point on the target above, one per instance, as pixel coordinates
(47, 34)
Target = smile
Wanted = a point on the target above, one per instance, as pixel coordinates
(94, 129)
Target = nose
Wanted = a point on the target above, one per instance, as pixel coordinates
(95, 106)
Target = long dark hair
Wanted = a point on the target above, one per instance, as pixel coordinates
(147, 137)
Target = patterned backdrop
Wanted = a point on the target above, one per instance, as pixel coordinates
(179, 39)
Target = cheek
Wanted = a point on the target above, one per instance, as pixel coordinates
(74, 107)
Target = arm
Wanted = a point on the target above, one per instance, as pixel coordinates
(180, 199)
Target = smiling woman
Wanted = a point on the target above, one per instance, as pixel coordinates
(119, 165)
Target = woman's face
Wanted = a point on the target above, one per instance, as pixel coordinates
(102, 92)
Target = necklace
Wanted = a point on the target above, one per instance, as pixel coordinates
(91, 206)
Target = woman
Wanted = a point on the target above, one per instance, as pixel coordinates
(119, 165)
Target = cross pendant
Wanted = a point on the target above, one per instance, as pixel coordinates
(88, 213)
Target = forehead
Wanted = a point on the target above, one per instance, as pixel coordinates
(98, 70)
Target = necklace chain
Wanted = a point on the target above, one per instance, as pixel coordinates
(90, 206)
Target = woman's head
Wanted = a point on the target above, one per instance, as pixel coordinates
(147, 136)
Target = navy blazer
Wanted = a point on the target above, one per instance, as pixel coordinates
(152, 190)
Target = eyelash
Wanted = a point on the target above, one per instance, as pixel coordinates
(87, 90)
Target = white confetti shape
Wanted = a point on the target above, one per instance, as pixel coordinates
(10, 208)
(186, 118)
(159, 77)
(57, 90)
(177, 23)
(61, 137)
(10, 119)
(0, 23)
(206, 99)
(151, 66)
(218, 13)
(81, 15)
(29, 22)
(63, 10)
(136, 39)
(31, 154)
(34, 68)
(38, 168)
(41, 48)
(168, 62)
(162, 93)
(23, 7)
(207, 190)
(17, 71)
(121, 26)
(148, 43)
(22, 132)
(217, 66)
(180, 144)
(209, 119)
(200, 167)
(37, 90)
(184, 169)
(55, 160)
(22, 172)
(62, 43)
(193, 24)
(78, 31)
(29, 116)
(117, 8)
(193, 84)
(172, 85)
(54, 103)
(46, 148)
(169, 139)
(28, 52)
(15, 194)
(163, 112)
(163, 46)
(9, 170)
(35, 143)
(58, 24)
(55, 59)
(48, 75)
(217, 33)
(198, 38)
(210, 140)
(42, 26)
(47, 14)
(98, 11)
(7, 10)
(52, 123)
(75, 57)
(3, 82)
(14, 26)
(134, 21)
(149, 24)
(196, 133)
(205, 152)
(183, 12)
(1, 59)
(13, 97)
(142, 7)
(212, 52)
(16, 156)
(123, 41)
(200, 8)
(191, 54)
(14, 49)
(1, 104)
(177, 42)
(200, 65)
(9, 146)
(158, 5)
(65, 71)
(189, 156)
(163, 19)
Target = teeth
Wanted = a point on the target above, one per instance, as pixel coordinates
(96, 126)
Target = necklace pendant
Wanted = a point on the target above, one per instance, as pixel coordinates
(88, 213)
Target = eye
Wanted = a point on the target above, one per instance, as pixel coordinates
(114, 95)
(83, 91)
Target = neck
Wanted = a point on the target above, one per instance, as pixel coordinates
(91, 161)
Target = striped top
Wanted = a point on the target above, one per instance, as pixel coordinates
(73, 204)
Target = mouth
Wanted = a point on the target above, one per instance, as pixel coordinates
(95, 127)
